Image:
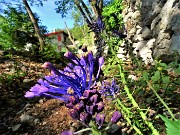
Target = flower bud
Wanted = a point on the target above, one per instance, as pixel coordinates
(100, 119)
(79, 106)
(74, 114)
(100, 106)
(67, 133)
(87, 93)
(95, 98)
(85, 117)
(116, 117)
(70, 55)
(91, 109)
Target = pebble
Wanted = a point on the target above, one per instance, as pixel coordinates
(25, 118)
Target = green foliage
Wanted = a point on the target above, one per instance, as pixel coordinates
(15, 75)
(172, 127)
(16, 28)
(112, 15)
(153, 89)
(80, 30)
(49, 53)
(9, 78)
(64, 6)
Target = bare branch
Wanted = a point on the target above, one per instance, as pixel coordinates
(70, 37)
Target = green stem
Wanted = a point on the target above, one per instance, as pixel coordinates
(83, 130)
(162, 101)
(134, 103)
(126, 117)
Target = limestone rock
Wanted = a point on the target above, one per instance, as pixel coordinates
(146, 33)
(175, 43)
(153, 27)
(150, 43)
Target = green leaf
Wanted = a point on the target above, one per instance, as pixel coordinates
(172, 127)
(94, 128)
(95, 132)
(166, 79)
(156, 76)
(146, 75)
(163, 65)
(178, 70)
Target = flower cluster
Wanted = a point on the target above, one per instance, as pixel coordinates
(109, 89)
(86, 107)
(99, 121)
(98, 25)
(75, 86)
(76, 77)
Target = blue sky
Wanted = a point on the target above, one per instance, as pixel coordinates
(50, 18)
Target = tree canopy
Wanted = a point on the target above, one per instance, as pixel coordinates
(16, 28)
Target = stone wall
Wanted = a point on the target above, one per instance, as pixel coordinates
(153, 26)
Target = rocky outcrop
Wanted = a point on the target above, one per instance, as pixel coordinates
(153, 27)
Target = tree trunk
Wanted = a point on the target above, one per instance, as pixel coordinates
(35, 24)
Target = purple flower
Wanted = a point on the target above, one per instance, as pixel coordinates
(67, 133)
(72, 81)
(109, 89)
(98, 25)
(91, 109)
(74, 114)
(100, 106)
(94, 98)
(87, 93)
(85, 117)
(119, 34)
(100, 119)
(37, 90)
(79, 106)
(116, 117)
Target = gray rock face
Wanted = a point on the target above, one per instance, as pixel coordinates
(155, 26)
(175, 43)
(146, 33)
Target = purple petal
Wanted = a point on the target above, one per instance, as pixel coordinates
(29, 94)
(101, 61)
(69, 105)
(87, 93)
(100, 119)
(67, 133)
(95, 98)
(90, 57)
(100, 106)
(74, 114)
(79, 106)
(70, 55)
(116, 117)
(36, 90)
(91, 109)
(85, 117)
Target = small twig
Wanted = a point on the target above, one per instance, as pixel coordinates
(70, 37)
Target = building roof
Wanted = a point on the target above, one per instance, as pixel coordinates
(55, 33)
